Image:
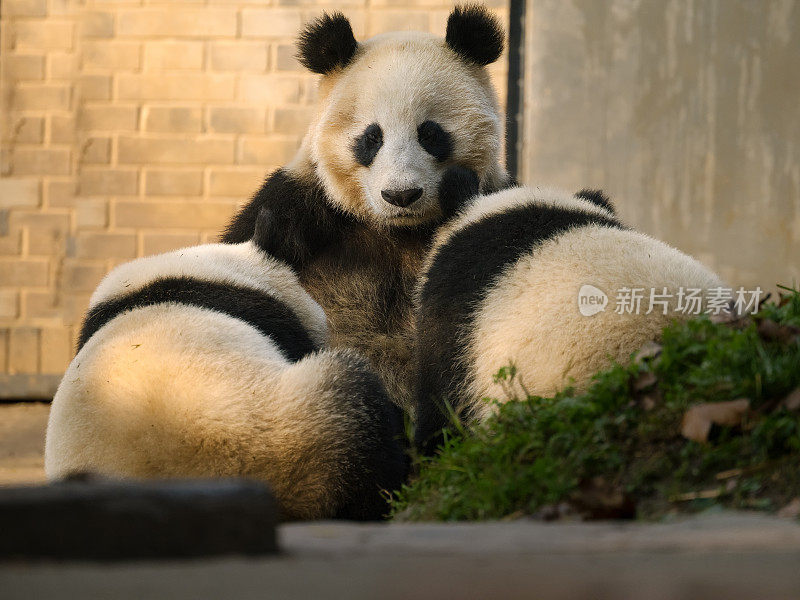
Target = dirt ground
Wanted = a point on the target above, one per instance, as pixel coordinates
(22, 428)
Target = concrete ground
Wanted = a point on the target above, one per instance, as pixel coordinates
(729, 556)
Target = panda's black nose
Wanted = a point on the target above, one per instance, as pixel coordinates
(401, 197)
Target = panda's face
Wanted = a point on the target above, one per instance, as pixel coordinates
(393, 121)
(402, 167)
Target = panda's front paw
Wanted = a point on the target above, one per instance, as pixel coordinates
(458, 185)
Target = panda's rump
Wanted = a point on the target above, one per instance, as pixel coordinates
(530, 315)
(156, 388)
(181, 391)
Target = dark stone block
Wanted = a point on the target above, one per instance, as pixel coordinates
(100, 519)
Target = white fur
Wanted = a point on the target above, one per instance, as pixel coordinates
(531, 319)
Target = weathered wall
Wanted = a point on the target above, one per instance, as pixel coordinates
(687, 112)
(131, 127)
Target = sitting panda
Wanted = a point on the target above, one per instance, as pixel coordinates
(209, 362)
(501, 287)
(356, 209)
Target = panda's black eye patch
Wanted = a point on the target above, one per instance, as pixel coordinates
(367, 144)
(435, 140)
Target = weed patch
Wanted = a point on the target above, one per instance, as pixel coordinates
(641, 442)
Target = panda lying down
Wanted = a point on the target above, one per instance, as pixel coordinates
(500, 286)
(210, 361)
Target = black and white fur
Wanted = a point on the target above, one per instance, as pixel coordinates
(501, 287)
(210, 361)
(356, 209)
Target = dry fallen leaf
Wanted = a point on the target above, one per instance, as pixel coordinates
(644, 381)
(792, 401)
(733, 473)
(650, 401)
(730, 316)
(701, 495)
(730, 473)
(650, 350)
(698, 419)
(771, 331)
(791, 510)
(596, 498)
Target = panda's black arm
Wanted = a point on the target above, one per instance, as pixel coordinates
(458, 185)
(300, 220)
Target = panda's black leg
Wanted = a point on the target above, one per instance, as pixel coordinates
(458, 185)
(432, 420)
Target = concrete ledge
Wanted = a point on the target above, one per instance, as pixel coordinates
(721, 532)
(104, 519)
(28, 387)
(731, 557)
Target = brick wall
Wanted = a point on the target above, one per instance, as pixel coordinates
(134, 127)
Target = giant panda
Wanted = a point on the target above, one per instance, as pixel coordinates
(211, 361)
(356, 208)
(501, 286)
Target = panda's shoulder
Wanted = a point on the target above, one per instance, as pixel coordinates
(274, 313)
(495, 231)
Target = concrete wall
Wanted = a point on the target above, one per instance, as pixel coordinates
(687, 112)
(131, 127)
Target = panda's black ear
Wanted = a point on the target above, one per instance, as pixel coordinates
(475, 34)
(326, 44)
(598, 198)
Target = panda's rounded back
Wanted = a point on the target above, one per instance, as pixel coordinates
(168, 391)
(178, 350)
(168, 385)
(143, 392)
(531, 317)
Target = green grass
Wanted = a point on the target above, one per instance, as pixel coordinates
(617, 450)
